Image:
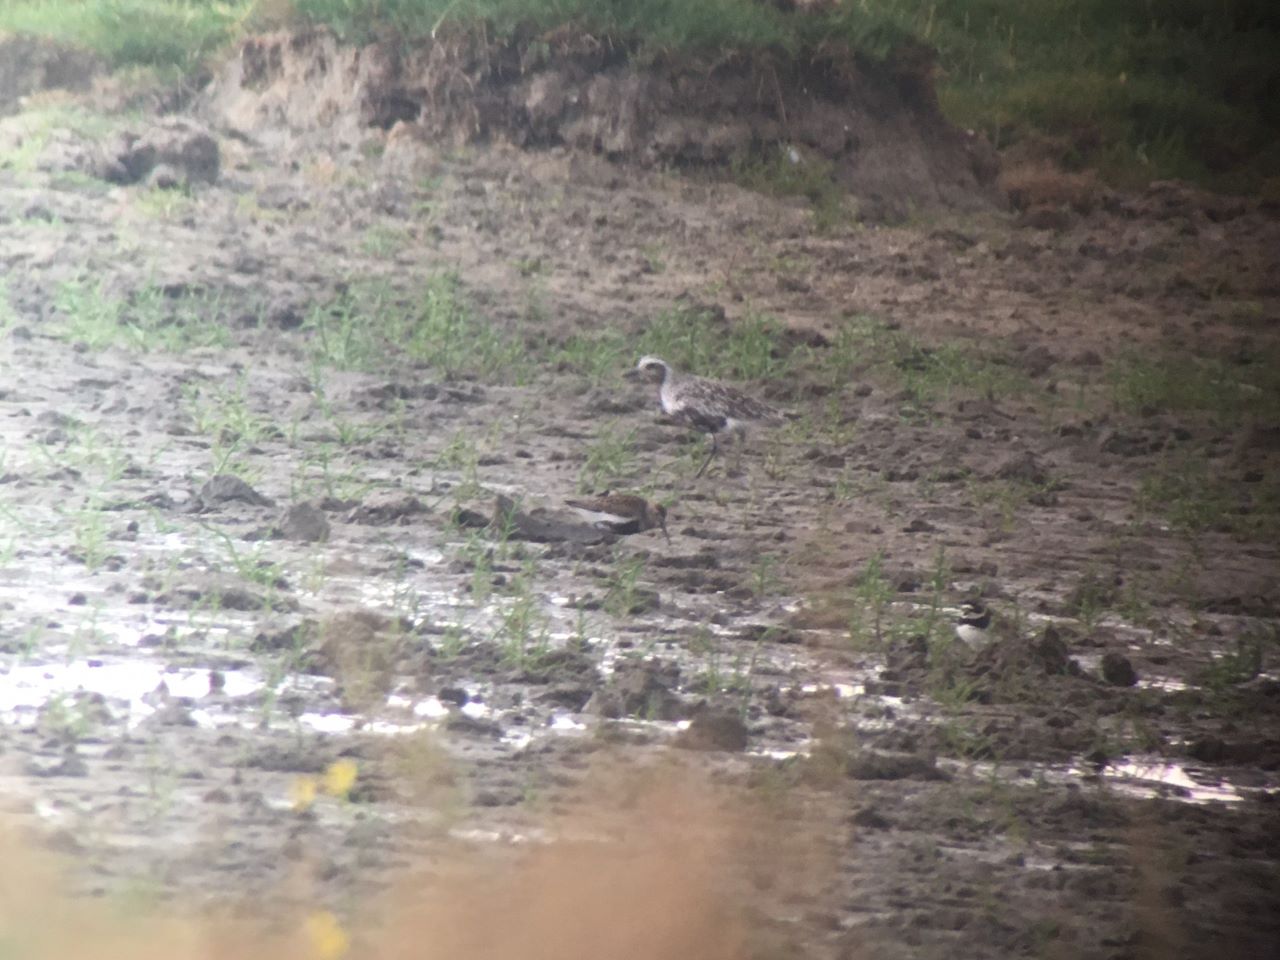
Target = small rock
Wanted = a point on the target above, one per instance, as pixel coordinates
(305, 523)
(1023, 466)
(870, 817)
(455, 695)
(714, 730)
(226, 487)
(387, 509)
(1118, 671)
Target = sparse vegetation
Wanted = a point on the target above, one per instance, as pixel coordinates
(146, 319)
(925, 374)
(610, 459)
(1230, 394)
(372, 326)
(156, 33)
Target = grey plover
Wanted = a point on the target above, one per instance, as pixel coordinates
(973, 625)
(622, 513)
(709, 405)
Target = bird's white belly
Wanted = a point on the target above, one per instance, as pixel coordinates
(973, 636)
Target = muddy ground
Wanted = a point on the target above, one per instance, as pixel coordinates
(254, 429)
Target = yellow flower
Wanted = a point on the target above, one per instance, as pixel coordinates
(303, 793)
(328, 940)
(340, 778)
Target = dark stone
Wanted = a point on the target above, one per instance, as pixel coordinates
(1117, 670)
(455, 695)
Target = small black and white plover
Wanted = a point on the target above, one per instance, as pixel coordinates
(622, 513)
(973, 625)
(709, 405)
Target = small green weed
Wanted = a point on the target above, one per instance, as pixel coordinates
(610, 459)
(384, 241)
(624, 593)
(165, 33)
(147, 319)
(371, 326)
(872, 595)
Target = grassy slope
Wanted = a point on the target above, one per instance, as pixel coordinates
(1140, 89)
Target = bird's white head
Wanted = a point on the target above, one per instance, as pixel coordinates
(654, 368)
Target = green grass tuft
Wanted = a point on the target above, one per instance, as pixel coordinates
(157, 33)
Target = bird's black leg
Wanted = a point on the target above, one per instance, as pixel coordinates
(702, 469)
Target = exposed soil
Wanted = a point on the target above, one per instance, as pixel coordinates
(182, 646)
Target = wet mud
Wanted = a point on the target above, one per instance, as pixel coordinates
(248, 536)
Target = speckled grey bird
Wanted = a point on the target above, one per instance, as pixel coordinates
(709, 405)
(622, 513)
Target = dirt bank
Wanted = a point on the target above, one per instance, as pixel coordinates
(872, 128)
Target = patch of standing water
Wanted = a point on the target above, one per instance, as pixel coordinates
(1143, 778)
(26, 688)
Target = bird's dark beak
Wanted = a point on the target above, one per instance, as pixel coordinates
(632, 374)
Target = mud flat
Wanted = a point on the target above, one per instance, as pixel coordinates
(270, 360)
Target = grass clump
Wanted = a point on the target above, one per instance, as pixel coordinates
(372, 327)
(925, 373)
(1180, 383)
(1195, 498)
(695, 341)
(1140, 90)
(652, 25)
(155, 33)
(145, 320)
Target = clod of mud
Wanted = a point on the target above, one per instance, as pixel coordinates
(228, 488)
(714, 730)
(1016, 657)
(872, 127)
(172, 153)
(1023, 466)
(382, 510)
(304, 522)
(641, 690)
(877, 765)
